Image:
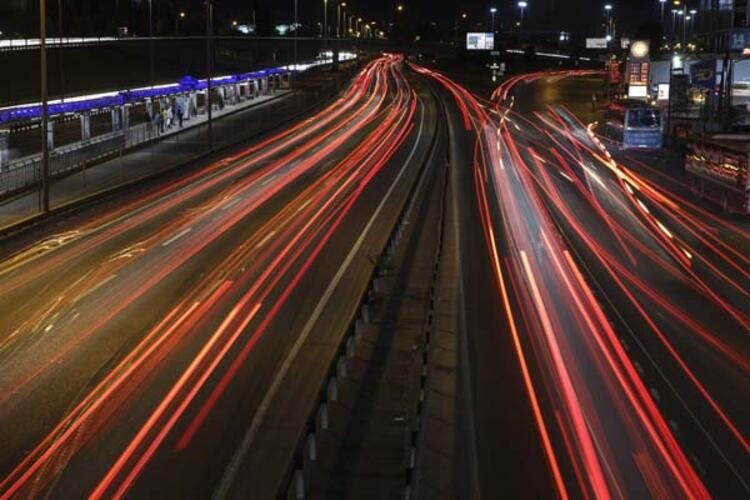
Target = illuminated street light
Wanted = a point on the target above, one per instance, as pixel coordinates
(180, 16)
(608, 13)
(493, 11)
(522, 5)
(338, 18)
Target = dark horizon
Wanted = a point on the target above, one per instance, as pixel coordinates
(581, 17)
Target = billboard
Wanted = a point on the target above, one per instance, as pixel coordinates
(480, 41)
(703, 74)
(596, 43)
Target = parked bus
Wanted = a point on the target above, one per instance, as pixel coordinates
(718, 170)
(634, 124)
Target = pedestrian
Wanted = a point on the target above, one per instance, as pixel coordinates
(180, 113)
(170, 116)
(158, 123)
(164, 119)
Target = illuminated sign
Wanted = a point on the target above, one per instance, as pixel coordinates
(639, 50)
(663, 92)
(638, 91)
(480, 41)
(596, 43)
(638, 73)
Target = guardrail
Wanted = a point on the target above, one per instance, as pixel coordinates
(318, 419)
(25, 173)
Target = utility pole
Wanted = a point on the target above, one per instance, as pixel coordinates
(296, 37)
(60, 50)
(151, 41)
(209, 67)
(325, 24)
(44, 202)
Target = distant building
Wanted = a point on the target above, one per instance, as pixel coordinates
(723, 24)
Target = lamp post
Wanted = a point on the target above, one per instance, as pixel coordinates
(44, 194)
(325, 24)
(177, 20)
(608, 16)
(693, 14)
(493, 11)
(209, 67)
(338, 18)
(522, 5)
(61, 56)
(662, 4)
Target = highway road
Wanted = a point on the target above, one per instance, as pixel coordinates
(627, 307)
(139, 342)
(171, 341)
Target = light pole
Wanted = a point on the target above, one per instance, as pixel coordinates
(522, 5)
(338, 18)
(693, 13)
(674, 24)
(608, 15)
(493, 11)
(177, 19)
(325, 24)
(61, 56)
(44, 201)
(662, 4)
(209, 67)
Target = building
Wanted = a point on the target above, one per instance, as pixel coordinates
(723, 24)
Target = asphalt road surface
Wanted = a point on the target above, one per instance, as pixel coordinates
(627, 307)
(170, 342)
(142, 342)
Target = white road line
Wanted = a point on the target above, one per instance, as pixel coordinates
(176, 237)
(265, 240)
(302, 207)
(96, 287)
(230, 204)
(269, 179)
(234, 465)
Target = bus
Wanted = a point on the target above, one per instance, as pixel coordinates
(634, 124)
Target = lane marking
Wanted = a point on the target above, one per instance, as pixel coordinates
(230, 204)
(227, 479)
(265, 240)
(176, 237)
(269, 179)
(95, 287)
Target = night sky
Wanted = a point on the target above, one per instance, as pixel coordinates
(580, 16)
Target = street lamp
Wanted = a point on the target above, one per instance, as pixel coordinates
(661, 5)
(693, 14)
(493, 11)
(608, 13)
(338, 18)
(325, 22)
(182, 15)
(44, 192)
(522, 5)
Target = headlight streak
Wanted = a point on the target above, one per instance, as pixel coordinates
(598, 470)
(293, 238)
